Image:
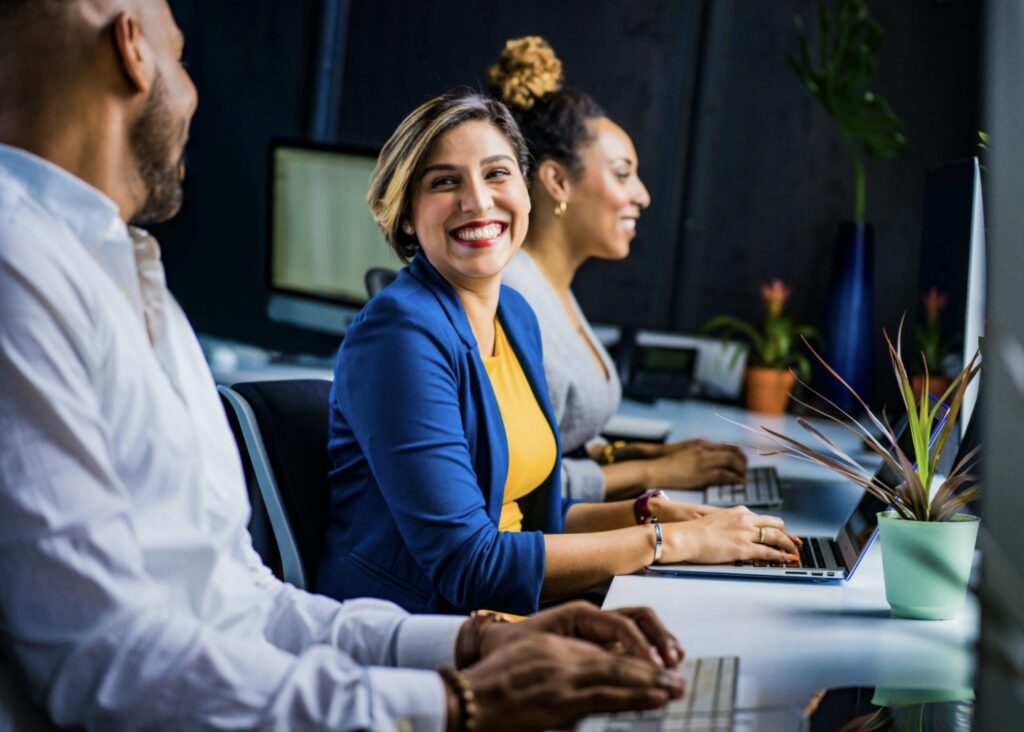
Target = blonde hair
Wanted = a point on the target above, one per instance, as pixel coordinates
(401, 158)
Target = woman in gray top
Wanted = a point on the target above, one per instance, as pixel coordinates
(587, 198)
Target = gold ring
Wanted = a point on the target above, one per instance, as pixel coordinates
(760, 535)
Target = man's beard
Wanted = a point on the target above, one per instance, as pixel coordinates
(153, 141)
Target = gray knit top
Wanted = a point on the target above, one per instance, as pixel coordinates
(583, 399)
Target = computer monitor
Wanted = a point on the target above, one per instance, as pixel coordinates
(322, 237)
(953, 257)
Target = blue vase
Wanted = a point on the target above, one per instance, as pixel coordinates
(850, 317)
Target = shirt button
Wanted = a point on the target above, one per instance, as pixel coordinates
(403, 725)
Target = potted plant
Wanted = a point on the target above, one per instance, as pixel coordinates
(840, 79)
(768, 377)
(927, 542)
(933, 345)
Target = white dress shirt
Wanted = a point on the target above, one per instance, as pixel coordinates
(130, 594)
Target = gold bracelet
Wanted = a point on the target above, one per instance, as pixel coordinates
(608, 452)
(467, 645)
(469, 712)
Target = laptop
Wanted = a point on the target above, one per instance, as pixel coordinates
(822, 558)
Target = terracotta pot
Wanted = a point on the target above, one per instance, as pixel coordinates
(936, 384)
(768, 389)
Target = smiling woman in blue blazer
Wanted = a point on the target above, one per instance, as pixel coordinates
(445, 478)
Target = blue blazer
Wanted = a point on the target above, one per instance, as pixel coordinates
(419, 458)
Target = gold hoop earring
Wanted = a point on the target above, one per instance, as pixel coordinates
(560, 208)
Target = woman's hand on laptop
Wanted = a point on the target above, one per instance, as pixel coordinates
(669, 511)
(729, 535)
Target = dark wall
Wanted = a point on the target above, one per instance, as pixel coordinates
(252, 62)
(771, 178)
(638, 59)
(747, 174)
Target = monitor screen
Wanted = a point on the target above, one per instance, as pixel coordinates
(322, 237)
(953, 260)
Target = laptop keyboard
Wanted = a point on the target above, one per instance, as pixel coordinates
(815, 554)
(760, 489)
(708, 705)
(819, 554)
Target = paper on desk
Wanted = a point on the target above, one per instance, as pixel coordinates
(638, 428)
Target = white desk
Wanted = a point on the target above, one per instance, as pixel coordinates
(794, 639)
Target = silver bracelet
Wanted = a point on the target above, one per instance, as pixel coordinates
(657, 543)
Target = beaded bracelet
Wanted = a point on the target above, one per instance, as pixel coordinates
(469, 712)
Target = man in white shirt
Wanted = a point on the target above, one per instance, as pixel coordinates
(130, 595)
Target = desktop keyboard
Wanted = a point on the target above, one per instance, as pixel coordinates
(760, 489)
(708, 705)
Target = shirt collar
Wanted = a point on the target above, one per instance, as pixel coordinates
(91, 217)
(90, 214)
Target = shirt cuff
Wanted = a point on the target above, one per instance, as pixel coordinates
(427, 641)
(411, 700)
(583, 480)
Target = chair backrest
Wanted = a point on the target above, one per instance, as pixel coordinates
(377, 278)
(284, 427)
(18, 712)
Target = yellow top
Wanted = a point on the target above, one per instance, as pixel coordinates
(531, 444)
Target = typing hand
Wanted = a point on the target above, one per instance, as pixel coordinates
(540, 681)
(673, 511)
(697, 463)
(634, 631)
(727, 535)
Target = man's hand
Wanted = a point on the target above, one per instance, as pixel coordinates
(539, 681)
(635, 631)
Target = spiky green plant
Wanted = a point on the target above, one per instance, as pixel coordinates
(847, 46)
(910, 498)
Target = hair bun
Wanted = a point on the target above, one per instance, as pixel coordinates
(526, 71)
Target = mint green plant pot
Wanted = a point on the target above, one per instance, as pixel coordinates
(926, 564)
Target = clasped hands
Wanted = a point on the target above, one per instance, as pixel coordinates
(561, 664)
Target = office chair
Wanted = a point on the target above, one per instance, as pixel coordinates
(283, 426)
(377, 278)
(17, 709)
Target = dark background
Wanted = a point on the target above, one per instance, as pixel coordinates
(747, 173)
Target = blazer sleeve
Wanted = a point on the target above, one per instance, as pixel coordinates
(398, 386)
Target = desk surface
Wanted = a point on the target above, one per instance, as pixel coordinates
(794, 639)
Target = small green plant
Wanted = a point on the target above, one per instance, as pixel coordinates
(848, 43)
(910, 498)
(774, 345)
